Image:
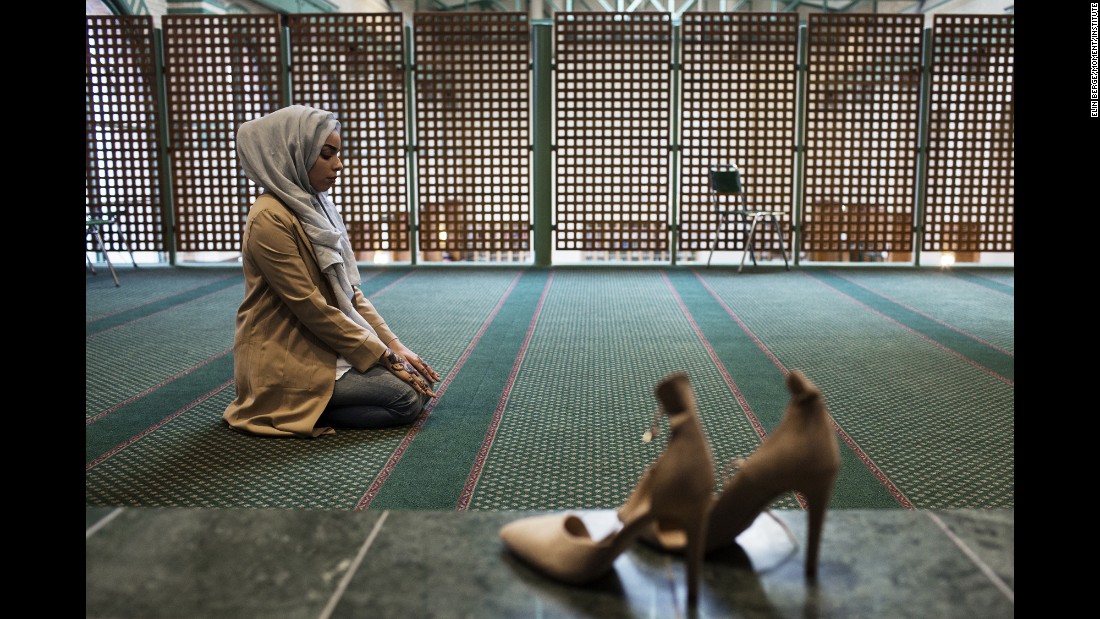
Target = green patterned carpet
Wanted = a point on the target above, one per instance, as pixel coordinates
(548, 383)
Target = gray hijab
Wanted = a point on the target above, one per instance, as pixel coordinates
(276, 151)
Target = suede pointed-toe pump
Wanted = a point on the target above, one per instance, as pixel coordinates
(678, 488)
(801, 455)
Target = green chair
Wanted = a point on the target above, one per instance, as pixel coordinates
(725, 180)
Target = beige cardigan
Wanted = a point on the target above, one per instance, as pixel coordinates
(290, 331)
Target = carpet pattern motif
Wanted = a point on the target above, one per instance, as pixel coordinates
(548, 378)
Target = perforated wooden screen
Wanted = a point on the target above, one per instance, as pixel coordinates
(863, 99)
(220, 71)
(612, 78)
(970, 201)
(473, 144)
(120, 141)
(353, 65)
(739, 102)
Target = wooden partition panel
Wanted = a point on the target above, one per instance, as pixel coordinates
(352, 64)
(970, 198)
(220, 71)
(121, 141)
(863, 101)
(473, 134)
(613, 93)
(740, 74)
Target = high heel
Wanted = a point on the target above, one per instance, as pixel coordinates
(678, 488)
(801, 455)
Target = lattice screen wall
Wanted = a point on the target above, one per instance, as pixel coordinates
(970, 204)
(863, 100)
(613, 136)
(739, 101)
(220, 71)
(353, 66)
(121, 143)
(613, 81)
(473, 150)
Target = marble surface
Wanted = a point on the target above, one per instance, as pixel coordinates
(243, 563)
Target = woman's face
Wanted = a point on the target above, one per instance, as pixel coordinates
(322, 176)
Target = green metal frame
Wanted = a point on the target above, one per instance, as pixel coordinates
(167, 213)
(285, 7)
(922, 145)
(543, 131)
(675, 146)
(800, 141)
(412, 188)
(127, 7)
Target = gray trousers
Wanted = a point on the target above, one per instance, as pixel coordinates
(372, 399)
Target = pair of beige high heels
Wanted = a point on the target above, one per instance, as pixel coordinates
(674, 506)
